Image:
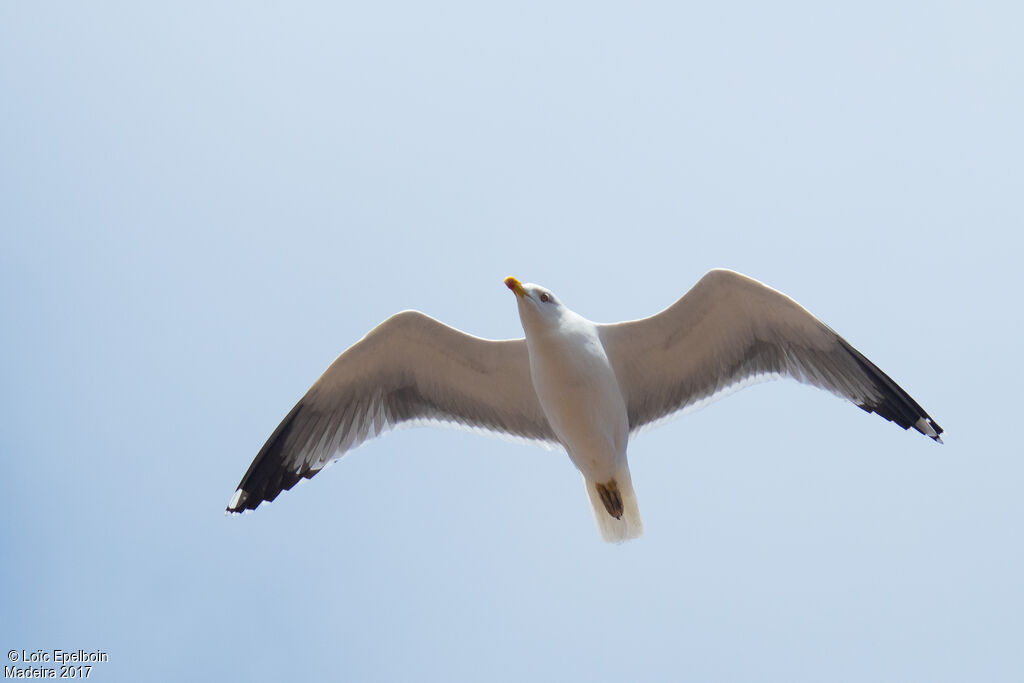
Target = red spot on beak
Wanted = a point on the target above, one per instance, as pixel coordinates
(515, 286)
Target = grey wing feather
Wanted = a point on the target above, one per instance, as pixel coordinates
(729, 330)
(410, 368)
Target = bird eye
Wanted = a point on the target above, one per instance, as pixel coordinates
(545, 297)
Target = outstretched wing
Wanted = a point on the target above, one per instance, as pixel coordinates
(730, 329)
(409, 368)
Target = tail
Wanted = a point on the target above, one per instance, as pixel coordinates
(615, 507)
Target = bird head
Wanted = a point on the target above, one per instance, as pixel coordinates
(538, 307)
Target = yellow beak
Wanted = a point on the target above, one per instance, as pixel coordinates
(515, 286)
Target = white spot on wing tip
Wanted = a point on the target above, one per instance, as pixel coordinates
(925, 427)
(234, 501)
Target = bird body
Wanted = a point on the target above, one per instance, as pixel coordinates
(571, 383)
(580, 396)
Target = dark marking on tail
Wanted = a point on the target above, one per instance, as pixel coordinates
(611, 498)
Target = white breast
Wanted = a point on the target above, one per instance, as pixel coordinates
(580, 396)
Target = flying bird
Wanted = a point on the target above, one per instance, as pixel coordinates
(571, 383)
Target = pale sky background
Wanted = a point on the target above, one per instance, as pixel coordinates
(202, 204)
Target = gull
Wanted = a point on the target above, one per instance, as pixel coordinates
(570, 383)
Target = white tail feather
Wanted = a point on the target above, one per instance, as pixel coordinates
(630, 525)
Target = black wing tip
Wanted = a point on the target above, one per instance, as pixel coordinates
(258, 491)
(242, 501)
(898, 413)
(893, 403)
(268, 475)
(238, 503)
(929, 428)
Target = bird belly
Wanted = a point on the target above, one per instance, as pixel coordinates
(582, 401)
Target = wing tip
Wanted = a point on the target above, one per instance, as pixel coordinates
(251, 494)
(239, 503)
(929, 428)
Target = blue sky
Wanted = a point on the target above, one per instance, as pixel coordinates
(201, 206)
